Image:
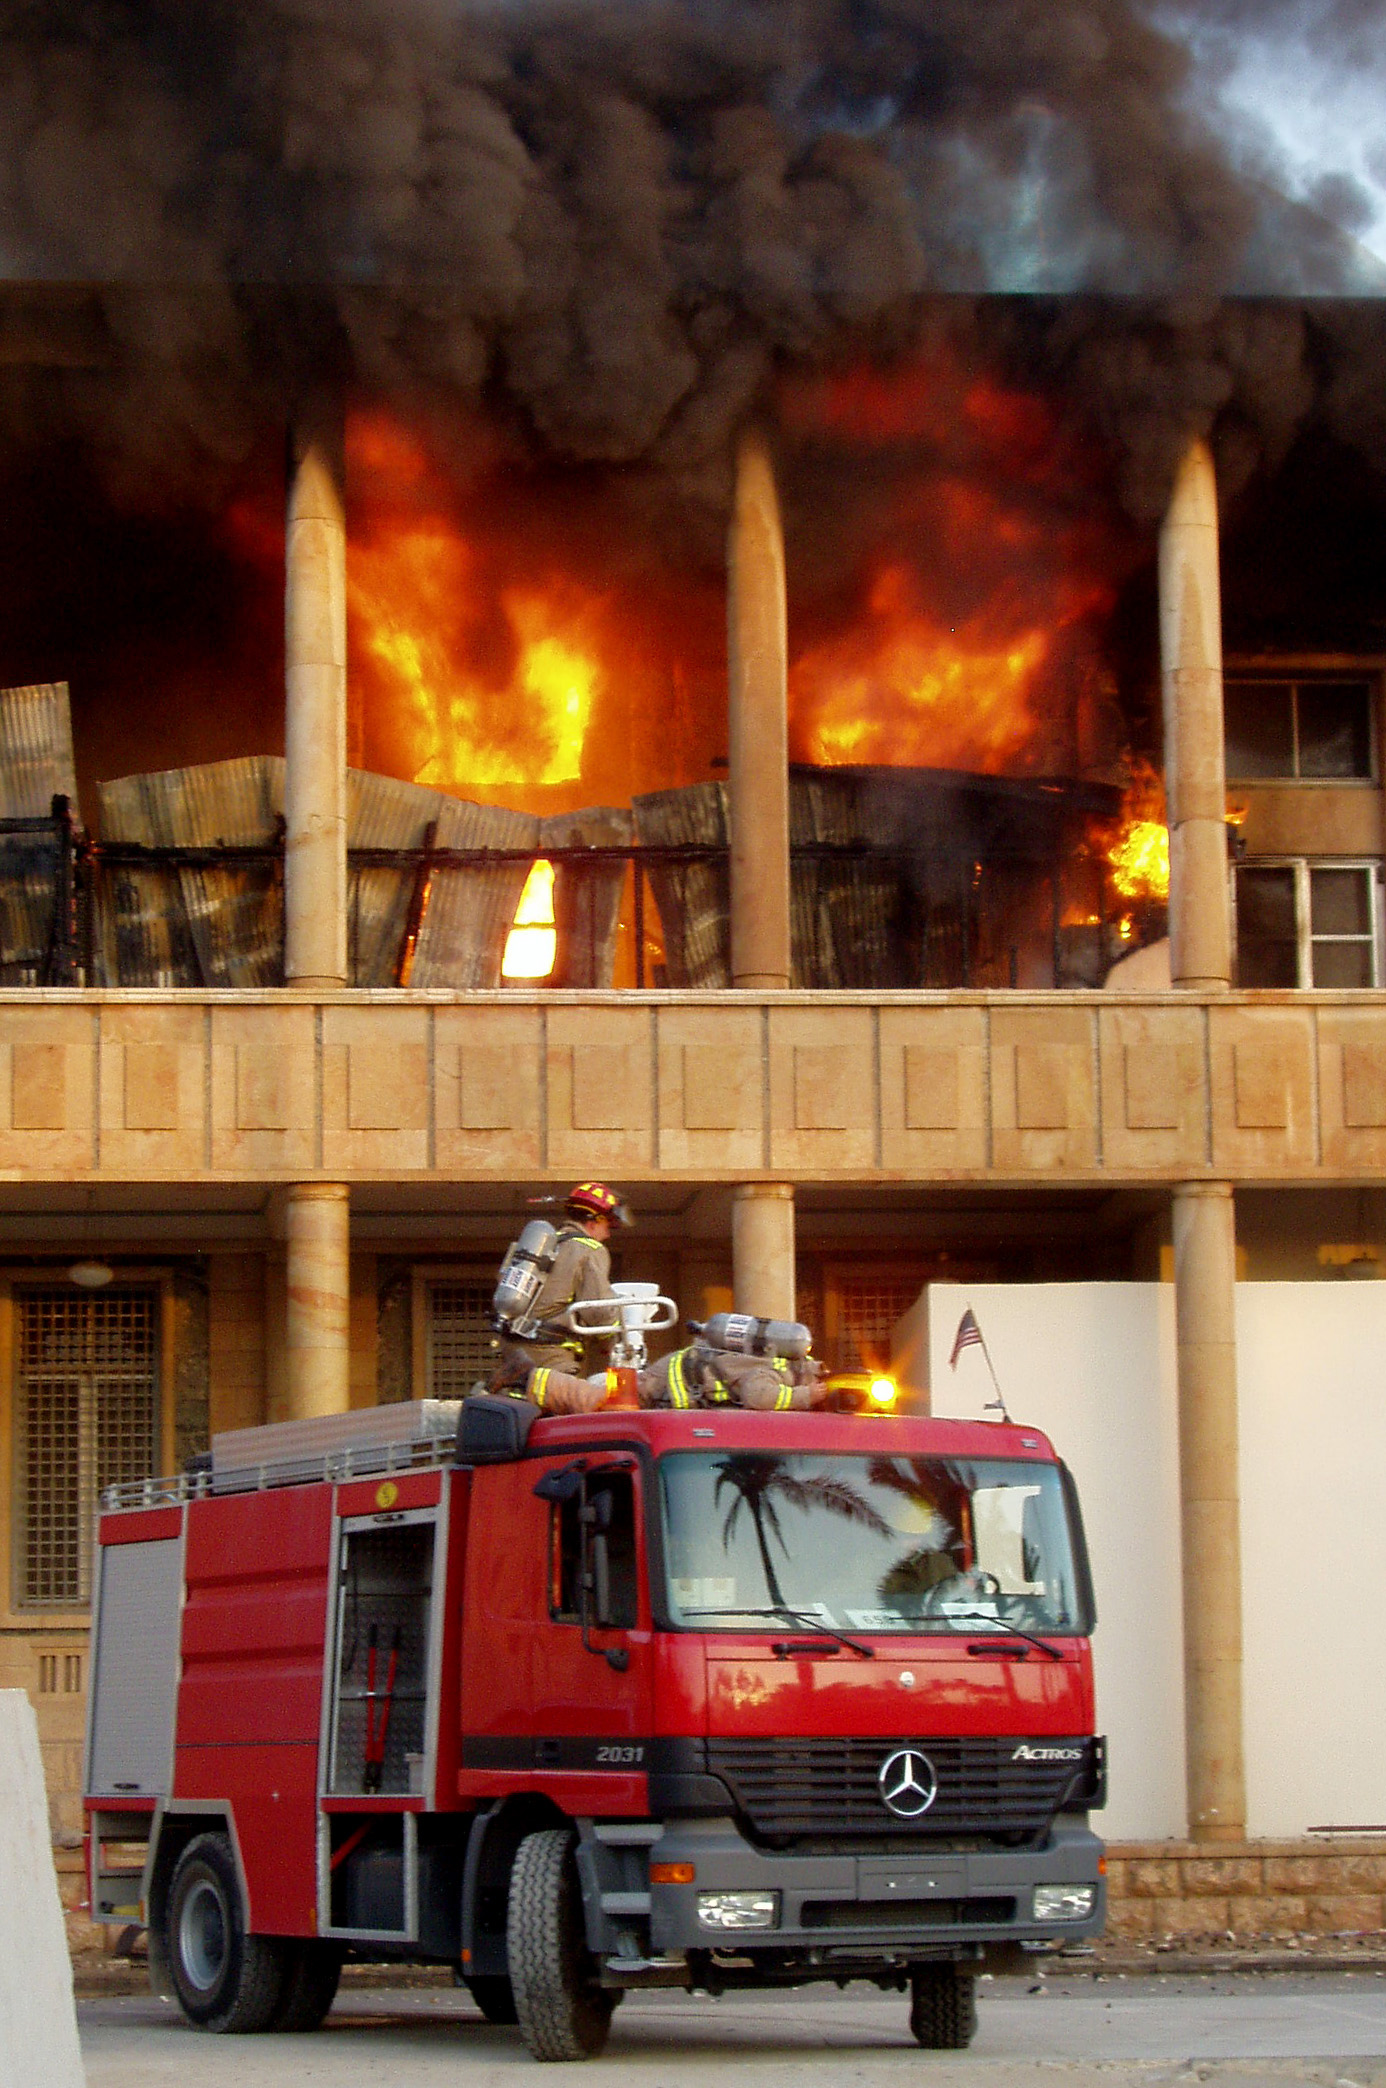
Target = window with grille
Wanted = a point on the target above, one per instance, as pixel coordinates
(461, 1341)
(867, 1310)
(87, 1403)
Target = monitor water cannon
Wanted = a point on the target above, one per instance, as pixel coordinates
(635, 1310)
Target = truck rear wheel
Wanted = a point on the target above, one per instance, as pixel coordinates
(224, 1979)
(943, 2007)
(563, 2012)
(310, 1986)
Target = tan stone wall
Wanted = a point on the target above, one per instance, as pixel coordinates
(1315, 819)
(1009, 1088)
(1158, 1889)
(50, 1663)
(236, 1339)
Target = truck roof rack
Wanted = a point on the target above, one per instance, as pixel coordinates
(399, 1437)
(402, 1436)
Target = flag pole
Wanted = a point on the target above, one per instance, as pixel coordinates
(1000, 1399)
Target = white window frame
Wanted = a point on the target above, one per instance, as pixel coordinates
(1305, 939)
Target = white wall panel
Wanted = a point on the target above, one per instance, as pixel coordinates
(1311, 1367)
(1092, 1364)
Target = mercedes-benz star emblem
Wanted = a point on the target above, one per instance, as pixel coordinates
(907, 1782)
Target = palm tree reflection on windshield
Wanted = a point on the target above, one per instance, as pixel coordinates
(758, 1484)
(936, 1559)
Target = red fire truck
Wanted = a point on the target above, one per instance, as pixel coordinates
(580, 1705)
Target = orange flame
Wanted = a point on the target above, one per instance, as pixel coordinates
(975, 632)
(494, 688)
(1139, 851)
(897, 689)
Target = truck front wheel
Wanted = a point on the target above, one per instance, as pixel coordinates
(224, 1979)
(943, 2007)
(311, 1974)
(563, 2012)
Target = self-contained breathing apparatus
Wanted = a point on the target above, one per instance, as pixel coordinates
(741, 1334)
(636, 1309)
(527, 1265)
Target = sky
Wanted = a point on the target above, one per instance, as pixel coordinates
(1311, 91)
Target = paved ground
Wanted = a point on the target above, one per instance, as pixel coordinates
(1325, 2029)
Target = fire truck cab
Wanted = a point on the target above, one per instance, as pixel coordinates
(580, 1705)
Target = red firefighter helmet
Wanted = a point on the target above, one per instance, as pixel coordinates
(595, 1200)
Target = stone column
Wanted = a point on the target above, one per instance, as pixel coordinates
(1205, 1255)
(1191, 675)
(763, 1249)
(757, 661)
(317, 1337)
(758, 723)
(1205, 1266)
(315, 713)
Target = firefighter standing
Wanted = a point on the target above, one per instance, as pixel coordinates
(551, 1367)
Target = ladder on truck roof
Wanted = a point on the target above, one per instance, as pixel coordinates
(403, 1436)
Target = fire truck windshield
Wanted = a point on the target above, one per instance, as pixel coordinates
(870, 1544)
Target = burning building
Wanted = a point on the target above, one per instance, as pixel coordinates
(787, 612)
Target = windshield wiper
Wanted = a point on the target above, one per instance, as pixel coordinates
(808, 1618)
(1009, 1630)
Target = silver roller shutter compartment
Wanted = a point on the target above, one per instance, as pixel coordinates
(135, 1677)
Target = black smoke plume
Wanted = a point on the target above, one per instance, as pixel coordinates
(620, 217)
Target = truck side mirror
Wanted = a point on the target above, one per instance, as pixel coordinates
(562, 1485)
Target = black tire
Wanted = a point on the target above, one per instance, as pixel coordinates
(310, 1986)
(223, 1978)
(943, 2007)
(495, 1997)
(562, 2011)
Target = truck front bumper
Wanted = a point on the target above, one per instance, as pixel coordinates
(904, 1901)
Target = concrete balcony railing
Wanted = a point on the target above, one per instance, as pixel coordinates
(964, 1087)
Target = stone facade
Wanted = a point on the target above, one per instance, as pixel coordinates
(1260, 1888)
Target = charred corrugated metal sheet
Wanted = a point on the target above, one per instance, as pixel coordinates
(471, 909)
(587, 896)
(216, 925)
(223, 924)
(36, 765)
(36, 760)
(847, 917)
(382, 812)
(958, 886)
(694, 899)
(28, 882)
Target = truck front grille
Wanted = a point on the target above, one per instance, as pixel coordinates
(981, 1911)
(788, 1789)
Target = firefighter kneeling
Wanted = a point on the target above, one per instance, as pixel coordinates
(737, 1360)
(544, 1274)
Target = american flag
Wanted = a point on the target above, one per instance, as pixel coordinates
(969, 1335)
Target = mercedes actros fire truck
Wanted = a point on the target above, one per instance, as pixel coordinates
(584, 1704)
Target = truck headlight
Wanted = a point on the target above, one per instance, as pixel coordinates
(1064, 1902)
(738, 1910)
